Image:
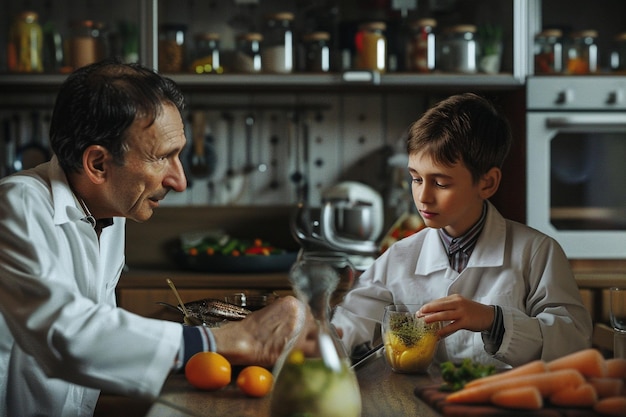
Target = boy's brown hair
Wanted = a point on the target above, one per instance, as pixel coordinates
(463, 128)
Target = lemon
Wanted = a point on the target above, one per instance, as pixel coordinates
(418, 357)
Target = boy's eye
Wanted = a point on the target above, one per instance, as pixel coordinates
(416, 180)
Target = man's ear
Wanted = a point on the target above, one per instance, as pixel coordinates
(489, 183)
(95, 162)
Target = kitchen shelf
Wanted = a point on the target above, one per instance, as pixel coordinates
(399, 82)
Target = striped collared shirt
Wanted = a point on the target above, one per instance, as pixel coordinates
(460, 248)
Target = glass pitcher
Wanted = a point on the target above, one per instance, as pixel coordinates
(322, 384)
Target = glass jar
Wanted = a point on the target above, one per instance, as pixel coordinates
(207, 54)
(248, 53)
(84, 47)
(172, 48)
(278, 49)
(25, 46)
(420, 48)
(316, 52)
(582, 54)
(371, 47)
(320, 384)
(458, 49)
(549, 52)
(618, 54)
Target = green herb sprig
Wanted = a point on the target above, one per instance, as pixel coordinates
(455, 376)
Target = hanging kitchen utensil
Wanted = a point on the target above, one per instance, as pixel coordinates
(203, 158)
(274, 182)
(249, 166)
(230, 146)
(5, 168)
(234, 180)
(33, 152)
(185, 157)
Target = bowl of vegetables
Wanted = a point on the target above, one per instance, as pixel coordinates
(410, 342)
(220, 252)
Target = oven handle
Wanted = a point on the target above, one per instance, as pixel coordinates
(591, 121)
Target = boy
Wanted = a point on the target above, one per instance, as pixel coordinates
(504, 291)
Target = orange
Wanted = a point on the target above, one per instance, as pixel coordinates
(208, 371)
(255, 381)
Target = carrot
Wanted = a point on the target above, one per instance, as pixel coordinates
(612, 406)
(534, 367)
(583, 395)
(616, 368)
(546, 383)
(588, 362)
(527, 398)
(607, 387)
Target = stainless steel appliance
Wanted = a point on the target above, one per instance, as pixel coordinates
(350, 220)
(576, 163)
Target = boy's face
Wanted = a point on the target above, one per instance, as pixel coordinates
(445, 196)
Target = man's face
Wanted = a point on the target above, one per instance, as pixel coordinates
(151, 168)
(445, 196)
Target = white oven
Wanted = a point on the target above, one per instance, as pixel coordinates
(576, 163)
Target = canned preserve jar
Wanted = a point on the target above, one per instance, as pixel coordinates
(84, 43)
(618, 54)
(316, 52)
(371, 47)
(25, 46)
(248, 54)
(207, 54)
(549, 52)
(458, 49)
(420, 51)
(582, 54)
(172, 47)
(278, 49)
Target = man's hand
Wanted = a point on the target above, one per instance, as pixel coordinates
(460, 312)
(260, 338)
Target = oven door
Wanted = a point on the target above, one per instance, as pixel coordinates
(576, 181)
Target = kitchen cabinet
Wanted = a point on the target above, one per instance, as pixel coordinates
(514, 16)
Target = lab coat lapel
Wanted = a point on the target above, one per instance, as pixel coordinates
(433, 256)
(489, 250)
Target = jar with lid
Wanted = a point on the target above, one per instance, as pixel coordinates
(172, 47)
(248, 57)
(316, 52)
(84, 43)
(371, 47)
(618, 54)
(458, 49)
(25, 46)
(420, 48)
(549, 52)
(207, 54)
(278, 49)
(582, 54)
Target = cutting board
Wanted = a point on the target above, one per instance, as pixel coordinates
(437, 400)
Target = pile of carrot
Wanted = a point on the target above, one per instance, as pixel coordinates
(581, 379)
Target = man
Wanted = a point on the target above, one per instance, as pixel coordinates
(117, 135)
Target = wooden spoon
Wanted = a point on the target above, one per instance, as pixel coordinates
(188, 319)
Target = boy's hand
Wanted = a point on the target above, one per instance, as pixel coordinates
(460, 312)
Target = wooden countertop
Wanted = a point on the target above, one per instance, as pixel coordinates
(151, 278)
(383, 394)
